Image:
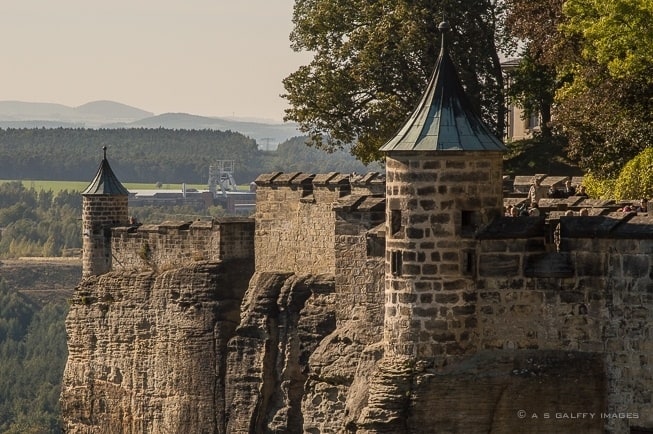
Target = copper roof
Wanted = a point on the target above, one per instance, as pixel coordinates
(105, 181)
(444, 120)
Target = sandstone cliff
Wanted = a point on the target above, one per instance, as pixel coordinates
(284, 318)
(147, 352)
(188, 350)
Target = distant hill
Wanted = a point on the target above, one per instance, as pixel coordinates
(24, 111)
(268, 136)
(111, 115)
(111, 110)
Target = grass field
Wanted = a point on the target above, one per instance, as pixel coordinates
(57, 186)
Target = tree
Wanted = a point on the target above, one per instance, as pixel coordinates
(372, 61)
(543, 41)
(535, 81)
(607, 122)
(607, 107)
(601, 53)
(615, 34)
(532, 87)
(636, 178)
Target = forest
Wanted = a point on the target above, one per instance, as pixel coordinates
(152, 155)
(32, 358)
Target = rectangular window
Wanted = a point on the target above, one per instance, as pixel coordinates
(375, 246)
(396, 262)
(469, 262)
(467, 223)
(395, 222)
(307, 189)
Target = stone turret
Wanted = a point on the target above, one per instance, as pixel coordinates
(104, 206)
(444, 181)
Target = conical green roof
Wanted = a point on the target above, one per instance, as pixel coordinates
(105, 181)
(444, 120)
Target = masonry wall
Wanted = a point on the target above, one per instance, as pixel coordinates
(595, 295)
(360, 262)
(435, 203)
(295, 223)
(173, 244)
(100, 213)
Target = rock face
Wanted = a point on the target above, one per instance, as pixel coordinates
(147, 352)
(189, 349)
(490, 392)
(284, 318)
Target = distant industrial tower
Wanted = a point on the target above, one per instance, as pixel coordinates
(222, 173)
(104, 206)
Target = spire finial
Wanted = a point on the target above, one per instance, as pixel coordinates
(104, 148)
(444, 28)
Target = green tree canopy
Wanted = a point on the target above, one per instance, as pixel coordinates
(532, 87)
(607, 106)
(600, 54)
(372, 61)
(616, 34)
(636, 178)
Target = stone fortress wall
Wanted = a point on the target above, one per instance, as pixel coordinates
(174, 244)
(588, 291)
(319, 224)
(584, 288)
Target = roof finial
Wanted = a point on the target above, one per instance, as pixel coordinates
(104, 148)
(444, 28)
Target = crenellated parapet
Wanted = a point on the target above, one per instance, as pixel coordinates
(296, 218)
(176, 244)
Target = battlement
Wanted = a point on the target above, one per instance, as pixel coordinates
(296, 219)
(340, 184)
(174, 244)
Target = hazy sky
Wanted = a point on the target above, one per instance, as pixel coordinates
(206, 57)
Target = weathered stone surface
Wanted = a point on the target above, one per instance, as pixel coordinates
(491, 392)
(147, 352)
(487, 321)
(284, 318)
(388, 403)
(336, 390)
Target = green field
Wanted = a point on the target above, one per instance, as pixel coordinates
(57, 186)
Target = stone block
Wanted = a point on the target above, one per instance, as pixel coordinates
(636, 266)
(429, 269)
(496, 265)
(548, 265)
(447, 298)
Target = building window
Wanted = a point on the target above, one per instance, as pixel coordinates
(395, 222)
(307, 189)
(375, 246)
(468, 223)
(395, 262)
(469, 262)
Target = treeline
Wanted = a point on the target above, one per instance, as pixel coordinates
(38, 223)
(41, 223)
(138, 155)
(32, 359)
(295, 156)
(151, 155)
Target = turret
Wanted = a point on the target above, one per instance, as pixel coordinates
(104, 206)
(444, 180)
